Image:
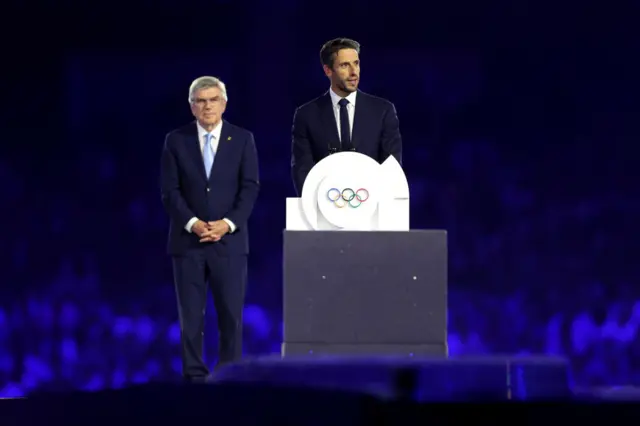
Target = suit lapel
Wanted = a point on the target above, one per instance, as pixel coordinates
(359, 119)
(329, 121)
(223, 151)
(193, 147)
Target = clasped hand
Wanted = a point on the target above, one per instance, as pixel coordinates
(210, 232)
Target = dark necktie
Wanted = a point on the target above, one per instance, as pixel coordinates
(345, 131)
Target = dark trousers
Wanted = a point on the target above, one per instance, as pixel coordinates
(226, 276)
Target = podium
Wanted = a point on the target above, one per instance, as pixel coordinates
(357, 281)
(358, 292)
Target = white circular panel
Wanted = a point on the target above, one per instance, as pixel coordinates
(346, 173)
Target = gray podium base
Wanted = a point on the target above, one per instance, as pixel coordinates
(365, 292)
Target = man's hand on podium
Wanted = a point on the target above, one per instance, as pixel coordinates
(214, 231)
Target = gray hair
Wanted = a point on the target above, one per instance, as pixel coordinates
(206, 82)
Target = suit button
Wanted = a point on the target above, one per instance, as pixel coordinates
(208, 189)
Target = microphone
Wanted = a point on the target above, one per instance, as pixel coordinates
(334, 150)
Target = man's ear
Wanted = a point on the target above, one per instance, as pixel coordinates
(327, 71)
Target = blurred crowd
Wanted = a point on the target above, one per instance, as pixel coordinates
(64, 344)
(507, 296)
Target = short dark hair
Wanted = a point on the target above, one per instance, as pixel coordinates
(331, 48)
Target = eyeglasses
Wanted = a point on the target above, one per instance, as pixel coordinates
(203, 102)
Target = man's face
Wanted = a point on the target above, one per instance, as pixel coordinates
(345, 74)
(208, 106)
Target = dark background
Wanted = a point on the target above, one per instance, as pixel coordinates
(520, 128)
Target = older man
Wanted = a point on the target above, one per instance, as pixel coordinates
(209, 183)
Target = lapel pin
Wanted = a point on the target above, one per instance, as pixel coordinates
(229, 138)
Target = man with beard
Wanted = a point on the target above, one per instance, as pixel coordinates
(344, 118)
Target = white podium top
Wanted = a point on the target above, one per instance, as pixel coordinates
(351, 191)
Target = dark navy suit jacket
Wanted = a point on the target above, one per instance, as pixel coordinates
(230, 192)
(376, 133)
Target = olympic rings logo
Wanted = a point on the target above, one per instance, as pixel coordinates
(348, 196)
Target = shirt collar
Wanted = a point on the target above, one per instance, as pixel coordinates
(215, 132)
(335, 98)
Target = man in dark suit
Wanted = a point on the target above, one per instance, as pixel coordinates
(344, 118)
(209, 182)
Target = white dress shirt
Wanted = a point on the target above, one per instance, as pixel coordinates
(215, 139)
(351, 109)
